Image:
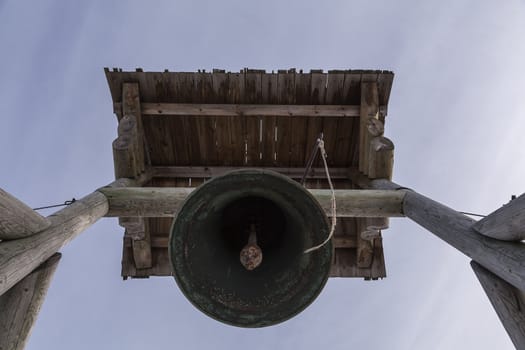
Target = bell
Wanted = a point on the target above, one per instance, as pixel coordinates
(237, 248)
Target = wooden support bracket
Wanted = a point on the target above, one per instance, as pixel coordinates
(17, 220)
(369, 110)
(507, 223)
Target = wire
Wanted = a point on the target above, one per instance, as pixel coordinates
(57, 205)
(472, 214)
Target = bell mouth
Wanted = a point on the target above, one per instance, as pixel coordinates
(213, 226)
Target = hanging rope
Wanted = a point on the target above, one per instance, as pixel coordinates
(320, 146)
(57, 205)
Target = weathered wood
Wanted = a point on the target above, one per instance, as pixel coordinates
(124, 159)
(507, 223)
(365, 248)
(131, 108)
(380, 158)
(166, 202)
(371, 228)
(21, 256)
(375, 127)
(17, 220)
(338, 242)
(208, 172)
(21, 304)
(507, 300)
(255, 110)
(369, 109)
(505, 259)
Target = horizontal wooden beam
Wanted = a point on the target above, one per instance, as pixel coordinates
(167, 201)
(507, 223)
(255, 110)
(209, 172)
(17, 220)
(158, 241)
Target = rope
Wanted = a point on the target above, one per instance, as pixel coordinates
(320, 144)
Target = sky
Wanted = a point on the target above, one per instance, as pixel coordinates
(455, 116)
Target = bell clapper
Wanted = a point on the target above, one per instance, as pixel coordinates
(251, 254)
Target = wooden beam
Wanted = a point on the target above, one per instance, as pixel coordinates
(17, 220)
(21, 256)
(507, 223)
(248, 110)
(380, 158)
(166, 202)
(505, 259)
(131, 108)
(209, 172)
(21, 304)
(162, 241)
(369, 109)
(365, 248)
(507, 300)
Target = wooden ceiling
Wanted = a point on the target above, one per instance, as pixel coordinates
(192, 126)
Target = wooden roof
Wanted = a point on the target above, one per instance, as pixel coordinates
(192, 126)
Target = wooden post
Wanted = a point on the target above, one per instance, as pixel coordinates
(507, 223)
(17, 220)
(369, 110)
(21, 256)
(166, 202)
(507, 300)
(21, 304)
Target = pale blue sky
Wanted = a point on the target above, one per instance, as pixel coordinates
(456, 116)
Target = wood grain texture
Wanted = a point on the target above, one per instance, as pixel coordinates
(166, 202)
(507, 300)
(380, 158)
(207, 172)
(505, 259)
(21, 304)
(507, 223)
(17, 220)
(19, 257)
(369, 109)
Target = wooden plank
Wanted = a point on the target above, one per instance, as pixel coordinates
(166, 202)
(286, 95)
(21, 304)
(315, 125)
(131, 108)
(369, 109)
(507, 300)
(268, 122)
(365, 249)
(210, 171)
(253, 94)
(161, 240)
(223, 133)
(203, 91)
(346, 141)
(238, 125)
(507, 223)
(299, 125)
(21, 256)
(17, 220)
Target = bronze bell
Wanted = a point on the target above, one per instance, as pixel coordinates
(237, 248)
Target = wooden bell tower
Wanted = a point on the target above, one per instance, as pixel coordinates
(176, 130)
